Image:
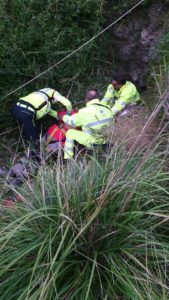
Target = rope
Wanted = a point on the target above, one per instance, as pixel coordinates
(76, 50)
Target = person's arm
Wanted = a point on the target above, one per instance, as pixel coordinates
(125, 98)
(74, 120)
(118, 106)
(52, 113)
(63, 100)
(108, 98)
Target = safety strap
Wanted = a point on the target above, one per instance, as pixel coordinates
(98, 104)
(40, 106)
(44, 103)
(53, 133)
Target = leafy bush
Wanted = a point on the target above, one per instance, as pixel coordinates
(37, 34)
(92, 230)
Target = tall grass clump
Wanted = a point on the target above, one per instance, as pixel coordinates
(92, 229)
(159, 69)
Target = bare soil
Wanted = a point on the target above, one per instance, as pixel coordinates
(135, 127)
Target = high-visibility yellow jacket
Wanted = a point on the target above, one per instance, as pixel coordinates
(93, 119)
(42, 101)
(127, 95)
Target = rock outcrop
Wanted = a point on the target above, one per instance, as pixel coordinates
(135, 39)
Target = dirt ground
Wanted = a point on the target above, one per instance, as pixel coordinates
(135, 128)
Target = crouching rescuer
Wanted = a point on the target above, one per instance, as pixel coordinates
(35, 106)
(92, 119)
(120, 94)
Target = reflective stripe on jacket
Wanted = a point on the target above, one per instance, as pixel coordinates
(93, 118)
(108, 98)
(127, 94)
(42, 102)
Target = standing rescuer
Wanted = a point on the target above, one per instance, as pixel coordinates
(35, 106)
(93, 119)
(120, 93)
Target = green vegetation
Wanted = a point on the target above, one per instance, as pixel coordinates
(92, 230)
(38, 34)
(159, 70)
(96, 228)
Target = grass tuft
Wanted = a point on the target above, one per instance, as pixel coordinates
(93, 229)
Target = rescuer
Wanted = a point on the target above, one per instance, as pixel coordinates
(120, 94)
(92, 119)
(35, 106)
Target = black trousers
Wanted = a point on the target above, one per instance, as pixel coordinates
(30, 132)
(26, 119)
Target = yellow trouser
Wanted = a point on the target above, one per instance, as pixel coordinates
(79, 136)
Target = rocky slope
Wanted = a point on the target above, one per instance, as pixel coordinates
(135, 39)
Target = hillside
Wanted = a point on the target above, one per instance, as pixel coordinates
(94, 227)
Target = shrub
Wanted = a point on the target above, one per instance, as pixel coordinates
(92, 230)
(40, 34)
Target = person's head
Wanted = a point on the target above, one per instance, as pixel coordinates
(118, 80)
(91, 94)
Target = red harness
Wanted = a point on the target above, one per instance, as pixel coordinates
(57, 133)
